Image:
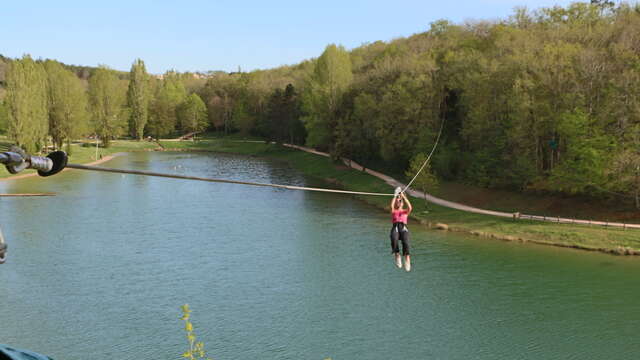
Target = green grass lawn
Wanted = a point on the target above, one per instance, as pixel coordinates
(614, 209)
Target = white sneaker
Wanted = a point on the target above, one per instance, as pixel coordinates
(398, 261)
(407, 264)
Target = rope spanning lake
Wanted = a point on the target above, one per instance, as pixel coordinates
(100, 271)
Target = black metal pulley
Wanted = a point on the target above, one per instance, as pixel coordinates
(59, 161)
(3, 249)
(3, 252)
(17, 160)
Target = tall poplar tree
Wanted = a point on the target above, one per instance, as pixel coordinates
(138, 97)
(107, 98)
(67, 104)
(27, 99)
(331, 77)
(4, 117)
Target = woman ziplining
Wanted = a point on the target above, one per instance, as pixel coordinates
(399, 229)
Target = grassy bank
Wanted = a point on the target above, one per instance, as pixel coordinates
(610, 240)
(613, 209)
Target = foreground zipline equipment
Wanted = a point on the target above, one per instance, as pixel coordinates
(11, 353)
(3, 249)
(17, 160)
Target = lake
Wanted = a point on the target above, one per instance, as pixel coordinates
(100, 271)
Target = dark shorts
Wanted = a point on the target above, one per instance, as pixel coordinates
(400, 232)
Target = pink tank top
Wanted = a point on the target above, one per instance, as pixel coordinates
(399, 216)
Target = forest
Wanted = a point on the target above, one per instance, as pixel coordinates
(544, 100)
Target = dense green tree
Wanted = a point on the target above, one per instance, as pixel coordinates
(331, 78)
(170, 93)
(242, 119)
(107, 98)
(192, 114)
(138, 98)
(586, 154)
(27, 99)
(4, 117)
(162, 116)
(3, 70)
(295, 131)
(282, 122)
(67, 104)
(277, 114)
(221, 94)
(356, 137)
(625, 170)
(426, 181)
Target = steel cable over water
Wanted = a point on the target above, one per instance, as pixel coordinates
(184, 177)
(278, 186)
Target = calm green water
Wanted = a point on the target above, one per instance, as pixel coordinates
(100, 271)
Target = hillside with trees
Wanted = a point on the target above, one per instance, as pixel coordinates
(545, 100)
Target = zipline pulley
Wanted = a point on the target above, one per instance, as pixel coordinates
(16, 160)
(3, 249)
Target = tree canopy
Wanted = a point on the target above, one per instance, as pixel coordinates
(545, 99)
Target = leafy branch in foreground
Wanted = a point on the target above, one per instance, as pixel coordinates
(196, 349)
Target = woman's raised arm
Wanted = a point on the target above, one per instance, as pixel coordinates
(406, 199)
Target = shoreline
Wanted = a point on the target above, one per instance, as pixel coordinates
(103, 160)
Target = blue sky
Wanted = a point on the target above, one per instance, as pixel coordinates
(220, 34)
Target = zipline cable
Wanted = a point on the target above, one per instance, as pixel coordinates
(17, 160)
(55, 162)
(184, 177)
(428, 157)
